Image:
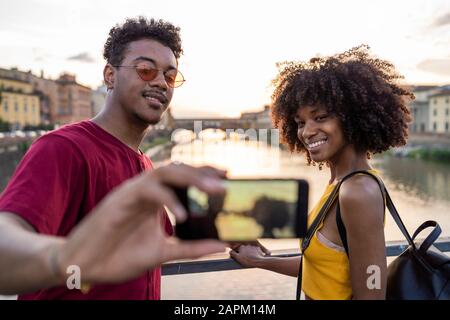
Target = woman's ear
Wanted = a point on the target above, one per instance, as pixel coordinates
(108, 76)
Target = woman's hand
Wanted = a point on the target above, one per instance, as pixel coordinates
(257, 256)
(249, 255)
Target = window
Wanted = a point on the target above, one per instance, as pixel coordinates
(446, 127)
(25, 108)
(434, 126)
(446, 112)
(446, 100)
(434, 112)
(16, 107)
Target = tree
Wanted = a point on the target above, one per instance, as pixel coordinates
(5, 126)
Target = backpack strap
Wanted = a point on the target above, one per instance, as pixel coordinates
(310, 233)
(340, 223)
(341, 229)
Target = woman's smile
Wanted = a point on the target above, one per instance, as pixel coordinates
(315, 145)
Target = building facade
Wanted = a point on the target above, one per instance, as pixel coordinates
(98, 99)
(60, 102)
(20, 105)
(74, 101)
(47, 90)
(439, 112)
(420, 108)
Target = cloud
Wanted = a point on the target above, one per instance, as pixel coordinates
(442, 20)
(437, 66)
(84, 57)
(40, 55)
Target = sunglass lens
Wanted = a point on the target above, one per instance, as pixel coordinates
(178, 80)
(147, 74)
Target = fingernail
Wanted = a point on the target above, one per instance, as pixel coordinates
(213, 183)
(180, 212)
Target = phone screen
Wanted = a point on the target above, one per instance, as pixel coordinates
(250, 210)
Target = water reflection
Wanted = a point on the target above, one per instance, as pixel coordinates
(427, 180)
(421, 190)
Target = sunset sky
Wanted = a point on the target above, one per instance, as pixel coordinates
(231, 47)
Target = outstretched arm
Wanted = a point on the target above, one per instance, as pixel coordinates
(256, 257)
(120, 239)
(25, 264)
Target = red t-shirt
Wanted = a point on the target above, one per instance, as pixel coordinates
(61, 178)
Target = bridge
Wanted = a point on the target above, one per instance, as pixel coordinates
(217, 123)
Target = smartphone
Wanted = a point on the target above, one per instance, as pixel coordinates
(250, 209)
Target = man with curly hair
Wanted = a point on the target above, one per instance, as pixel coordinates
(338, 110)
(47, 225)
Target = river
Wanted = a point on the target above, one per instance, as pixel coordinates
(419, 189)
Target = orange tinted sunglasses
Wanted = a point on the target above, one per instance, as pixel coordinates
(174, 78)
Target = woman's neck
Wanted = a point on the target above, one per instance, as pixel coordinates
(347, 161)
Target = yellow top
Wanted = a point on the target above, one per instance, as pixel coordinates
(326, 271)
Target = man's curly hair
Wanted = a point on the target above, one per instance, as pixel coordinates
(140, 28)
(359, 89)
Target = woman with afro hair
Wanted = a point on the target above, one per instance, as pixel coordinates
(339, 110)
